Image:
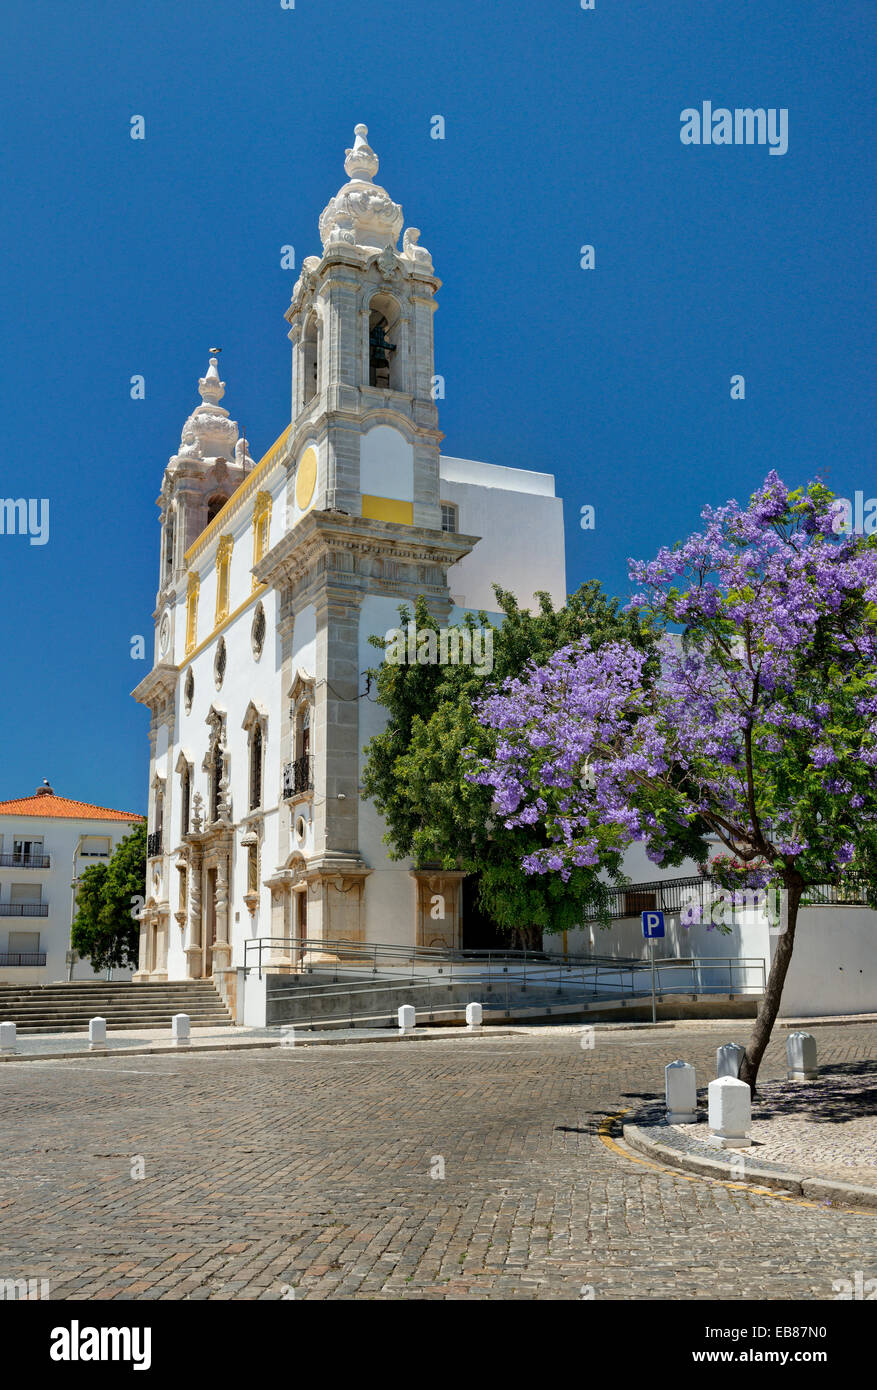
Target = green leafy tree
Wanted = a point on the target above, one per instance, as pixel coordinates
(104, 930)
(415, 768)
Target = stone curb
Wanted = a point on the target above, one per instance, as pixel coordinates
(642, 1140)
(164, 1049)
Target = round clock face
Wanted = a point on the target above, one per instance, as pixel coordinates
(306, 478)
(164, 635)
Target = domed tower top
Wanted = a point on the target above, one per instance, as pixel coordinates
(361, 213)
(209, 433)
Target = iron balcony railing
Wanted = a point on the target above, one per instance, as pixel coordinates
(24, 909)
(298, 776)
(24, 861)
(153, 844)
(22, 958)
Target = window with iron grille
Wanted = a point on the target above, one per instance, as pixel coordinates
(217, 778)
(256, 769)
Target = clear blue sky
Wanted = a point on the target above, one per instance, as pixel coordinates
(562, 128)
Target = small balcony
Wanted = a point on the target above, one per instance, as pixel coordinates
(153, 844)
(23, 958)
(24, 909)
(24, 861)
(298, 777)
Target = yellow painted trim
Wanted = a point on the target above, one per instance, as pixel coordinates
(194, 585)
(387, 509)
(604, 1133)
(239, 496)
(306, 478)
(190, 656)
(223, 577)
(261, 528)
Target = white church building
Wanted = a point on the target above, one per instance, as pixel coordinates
(274, 575)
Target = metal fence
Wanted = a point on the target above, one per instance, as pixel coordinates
(671, 895)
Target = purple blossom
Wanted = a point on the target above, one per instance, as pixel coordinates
(742, 719)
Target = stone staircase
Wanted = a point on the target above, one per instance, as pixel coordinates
(67, 1008)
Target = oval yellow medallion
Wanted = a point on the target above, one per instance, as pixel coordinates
(306, 477)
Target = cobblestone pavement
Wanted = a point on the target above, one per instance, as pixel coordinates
(827, 1127)
(316, 1173)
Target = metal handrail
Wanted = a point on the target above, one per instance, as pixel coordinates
(24, 909)
(24, 861)
(15, 958)
(553, 983)
(370, 952)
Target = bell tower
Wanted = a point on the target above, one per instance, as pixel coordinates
(211, 462)
(364, 418)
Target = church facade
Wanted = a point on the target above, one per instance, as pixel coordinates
(273, 576)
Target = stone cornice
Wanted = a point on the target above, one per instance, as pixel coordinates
(158, 686)
(336, 547)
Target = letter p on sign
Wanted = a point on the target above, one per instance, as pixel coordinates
(653, 924)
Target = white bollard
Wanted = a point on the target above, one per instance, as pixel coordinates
(7, 1037)
(474, 1015)
(729, 1058)
(407, 1018)
(97, 1034)
(730, 1113)
(680, 1088)
(801, 1056)
(181, 1028)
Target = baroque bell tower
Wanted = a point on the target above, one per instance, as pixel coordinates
(363, 523)
(361, 327)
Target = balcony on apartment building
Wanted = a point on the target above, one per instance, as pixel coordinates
(17, 860)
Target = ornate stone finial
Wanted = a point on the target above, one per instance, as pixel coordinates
(224, 803)
(361, 213)
(208, 433)
(197, 818)
(411, 248)
(210, 388)
(361, 161)
(242, 454)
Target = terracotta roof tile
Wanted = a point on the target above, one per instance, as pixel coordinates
(46, 803)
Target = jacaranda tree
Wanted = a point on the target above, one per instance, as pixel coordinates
(415, 773)
(762, 725)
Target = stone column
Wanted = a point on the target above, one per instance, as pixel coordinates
(194, 955)
(142, 971)
(162, 928)
(336, 718)
(222, 945)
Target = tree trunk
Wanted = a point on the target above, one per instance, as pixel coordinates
(770, 1004)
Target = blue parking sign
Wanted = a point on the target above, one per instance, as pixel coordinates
(653, 924)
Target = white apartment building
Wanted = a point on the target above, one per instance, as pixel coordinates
(46, 841)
